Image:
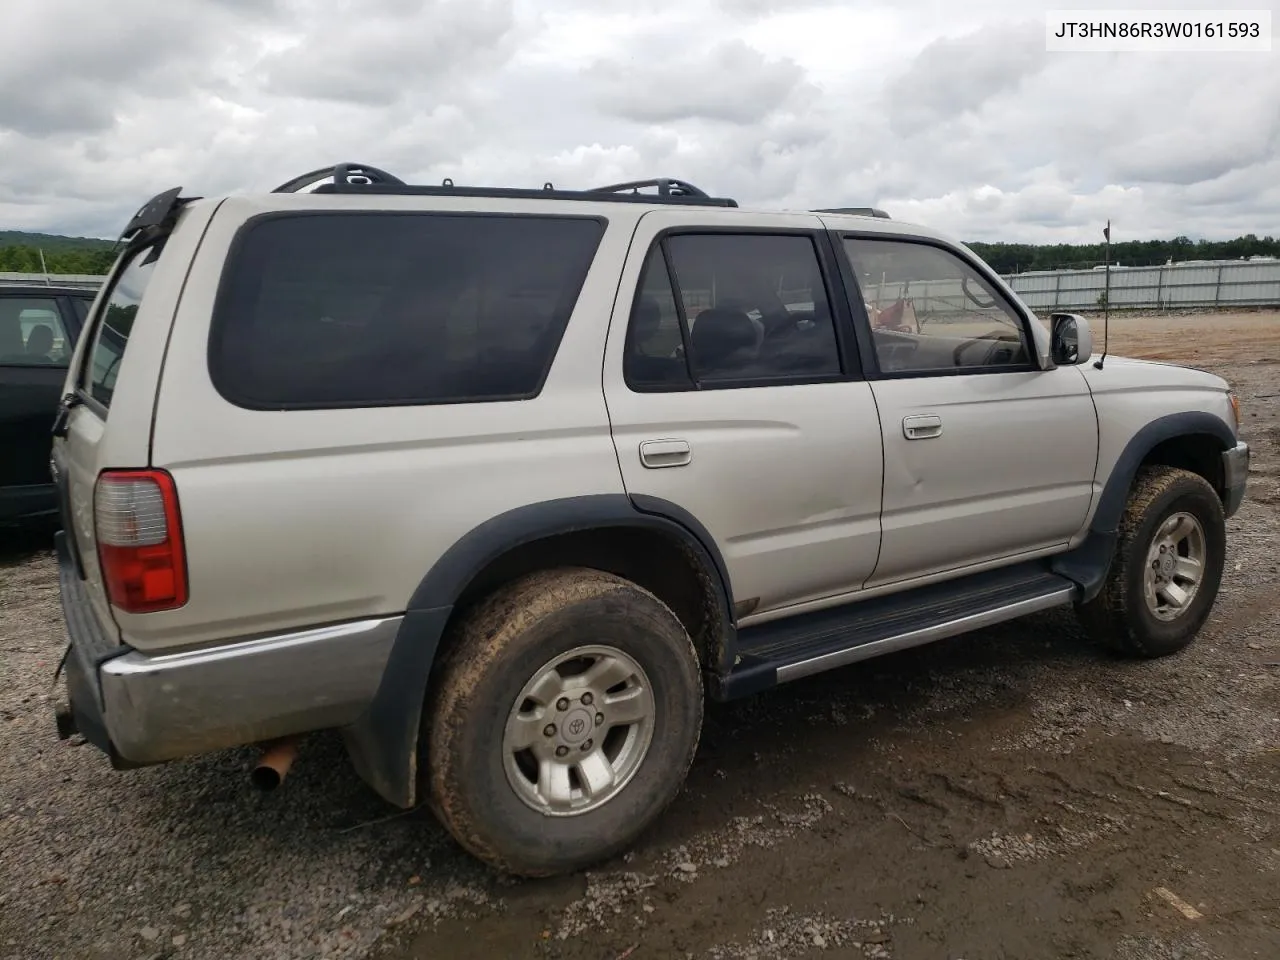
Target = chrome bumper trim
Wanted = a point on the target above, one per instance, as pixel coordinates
(159, 707)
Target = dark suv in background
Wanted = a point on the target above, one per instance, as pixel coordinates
(39, 326)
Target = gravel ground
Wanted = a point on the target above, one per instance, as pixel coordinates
(1013, 793)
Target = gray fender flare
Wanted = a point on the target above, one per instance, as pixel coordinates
(383, 742)
(1087, 564)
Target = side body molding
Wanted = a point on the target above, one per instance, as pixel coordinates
(383, 742)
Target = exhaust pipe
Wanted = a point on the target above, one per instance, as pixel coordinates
(277, 757)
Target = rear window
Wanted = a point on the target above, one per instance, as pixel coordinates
(115, 323)
(369, 309)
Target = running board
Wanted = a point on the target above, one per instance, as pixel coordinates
(800, 646)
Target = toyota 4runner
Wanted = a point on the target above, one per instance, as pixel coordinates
(503, 484)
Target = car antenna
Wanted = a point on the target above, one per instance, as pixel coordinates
(1106, 295)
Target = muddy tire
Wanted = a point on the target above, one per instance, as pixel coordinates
(1166, 569)
(562, 722)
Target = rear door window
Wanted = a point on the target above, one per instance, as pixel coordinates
(114, 325)
(372, 309)
(728, 310)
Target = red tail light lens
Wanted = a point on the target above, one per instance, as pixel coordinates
(139, 535)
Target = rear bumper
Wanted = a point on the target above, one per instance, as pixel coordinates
(88, 649)
(148, 708)
(1235, 477)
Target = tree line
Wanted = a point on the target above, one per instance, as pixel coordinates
(20, 258)
(1006, 258)
(20, 253)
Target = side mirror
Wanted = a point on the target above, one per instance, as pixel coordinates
(1070, 339)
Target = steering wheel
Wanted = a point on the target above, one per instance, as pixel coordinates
(992, 341)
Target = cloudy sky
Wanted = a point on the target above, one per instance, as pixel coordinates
(948, 112)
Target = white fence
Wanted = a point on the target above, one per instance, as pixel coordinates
(1203, 285)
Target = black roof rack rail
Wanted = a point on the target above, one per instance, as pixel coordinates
(362, 178)
(667, 187)
(857, 211)
(344, 175)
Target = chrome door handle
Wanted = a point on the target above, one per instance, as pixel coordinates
(921, 428)
(665, 453)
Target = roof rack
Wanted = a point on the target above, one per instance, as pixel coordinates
(857, 211)
(667, 187)
(362, 178)
(344, 175)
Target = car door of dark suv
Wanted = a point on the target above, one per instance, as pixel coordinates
(38, 329)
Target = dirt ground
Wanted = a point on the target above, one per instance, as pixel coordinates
(1009, 794)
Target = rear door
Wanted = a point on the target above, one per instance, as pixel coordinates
(734, 396)
(37, 334)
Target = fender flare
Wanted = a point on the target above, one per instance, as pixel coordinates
(1115, 494)
(1087, 564)
(383, 743)
(458, 566)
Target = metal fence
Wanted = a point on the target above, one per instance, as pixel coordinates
(1195, 285)
(82, 280)
(1205, 285)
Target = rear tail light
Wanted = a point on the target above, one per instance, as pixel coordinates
(139, 536)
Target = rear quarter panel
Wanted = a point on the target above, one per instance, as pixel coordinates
(302, 517)
(120, 438)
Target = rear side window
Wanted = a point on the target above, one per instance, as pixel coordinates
(720, 310)
(373, 309)
(115, 324)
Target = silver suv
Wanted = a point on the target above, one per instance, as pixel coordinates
(502, 483)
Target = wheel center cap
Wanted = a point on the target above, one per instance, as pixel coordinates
(576, 726)
(1166, 564)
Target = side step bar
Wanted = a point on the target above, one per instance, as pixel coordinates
(783, 650)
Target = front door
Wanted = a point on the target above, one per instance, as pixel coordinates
(988, 458)
(734, 394)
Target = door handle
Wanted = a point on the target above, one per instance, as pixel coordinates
(665, 453)
(921, 428)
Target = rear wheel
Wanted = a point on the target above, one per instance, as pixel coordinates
(564, 719)
(1167, 566)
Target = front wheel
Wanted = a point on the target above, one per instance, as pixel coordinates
(1167, 566)
(563, 721)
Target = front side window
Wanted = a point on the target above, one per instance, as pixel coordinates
(723, 309)
(931, 312)
(367, 309)
(31, 333)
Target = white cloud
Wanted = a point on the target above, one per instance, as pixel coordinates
(730, 82)
(944, 113)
